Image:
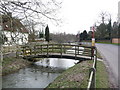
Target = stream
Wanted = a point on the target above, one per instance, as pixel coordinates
(38, 75)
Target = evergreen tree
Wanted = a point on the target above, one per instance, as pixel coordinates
(85, 35)
(47, 33)
(101, 31)
(109, 28)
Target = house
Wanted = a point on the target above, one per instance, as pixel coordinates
(14, 30)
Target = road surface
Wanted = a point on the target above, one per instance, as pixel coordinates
(110, 56)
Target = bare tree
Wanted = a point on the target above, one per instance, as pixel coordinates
(104, 17)
(37, 11)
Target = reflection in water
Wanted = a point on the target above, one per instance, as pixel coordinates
(38, 75)
(57, 63)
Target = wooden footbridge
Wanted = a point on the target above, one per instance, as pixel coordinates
(78, 52)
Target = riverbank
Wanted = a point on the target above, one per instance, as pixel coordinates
(78, 76)
(13, 64)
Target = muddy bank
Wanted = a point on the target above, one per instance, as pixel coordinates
(13, 64)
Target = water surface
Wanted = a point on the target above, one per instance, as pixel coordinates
(38, 75)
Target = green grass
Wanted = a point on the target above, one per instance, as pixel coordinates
(74, 77)
(102, 80)
(99, 55)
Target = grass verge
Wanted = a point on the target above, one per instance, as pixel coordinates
(78, 76)
(102, 80)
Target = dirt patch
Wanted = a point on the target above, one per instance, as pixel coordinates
(76, 77)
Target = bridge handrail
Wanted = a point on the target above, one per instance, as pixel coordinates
(60, 44)
(47, 48)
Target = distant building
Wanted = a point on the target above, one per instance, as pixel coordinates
(14, 30)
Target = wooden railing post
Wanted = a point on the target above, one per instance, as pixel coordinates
(52, 47)
(30, 51)
(23, 51)
(75, 52)
(34, 50)
(47, 50)
(64, 49)
(78, 50)
(41, 48)
(61, 50)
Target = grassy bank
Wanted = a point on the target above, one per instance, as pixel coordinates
(78, 76)
(102, 80)
(12, 64)
(74, 77)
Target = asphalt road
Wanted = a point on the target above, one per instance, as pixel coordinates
(111, 56)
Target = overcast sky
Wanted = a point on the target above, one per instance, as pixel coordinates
(79, 15)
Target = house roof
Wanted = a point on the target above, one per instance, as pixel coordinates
(13, 25)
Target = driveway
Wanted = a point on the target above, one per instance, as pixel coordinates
(110, 56)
